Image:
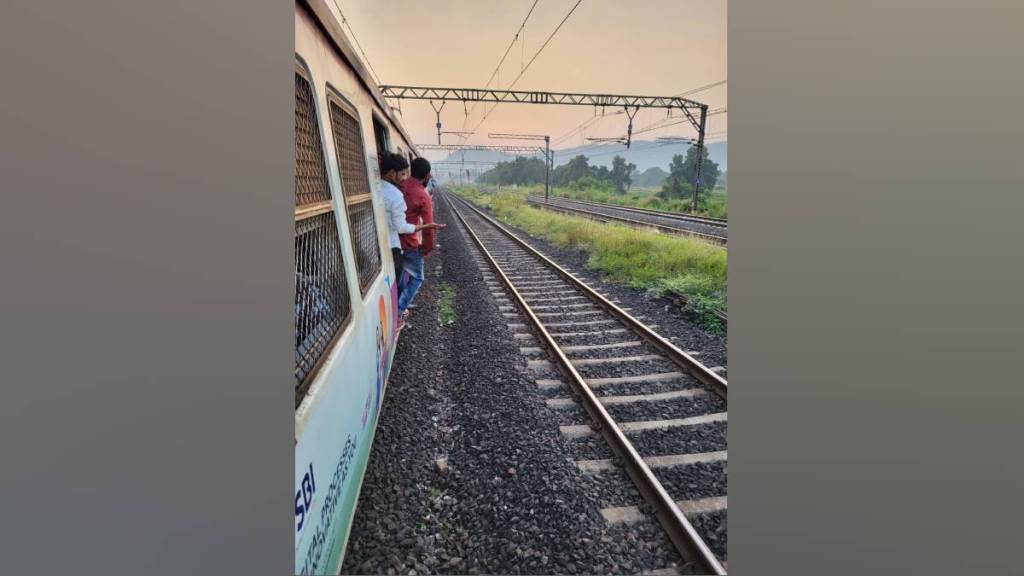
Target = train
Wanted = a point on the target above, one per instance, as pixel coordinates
(346, 306)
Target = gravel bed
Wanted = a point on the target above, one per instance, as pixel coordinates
(593, 338)
(654, 366)
(640, 411)
(593, 311)
(680, 408)
(694, 481)
(686, 440)
(627, 389)
(612, 370)
(394, 525)
(683, 383)
(714, 530)
(670, 318)
(508, 499)
(691, 482)
(644, 349)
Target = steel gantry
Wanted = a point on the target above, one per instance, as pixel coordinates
(696, 113)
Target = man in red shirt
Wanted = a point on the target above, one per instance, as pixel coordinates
(418, 210)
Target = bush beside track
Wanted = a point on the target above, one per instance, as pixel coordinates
(638, 258)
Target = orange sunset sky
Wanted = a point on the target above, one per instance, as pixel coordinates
(644, 47)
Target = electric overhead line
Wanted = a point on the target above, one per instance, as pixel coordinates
(502, 61)
(661, 124)
(649, 128)
(528, 64)
(352, 32)
(595, 118)
(702, 88)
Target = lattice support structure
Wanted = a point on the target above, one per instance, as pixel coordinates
(689, 107)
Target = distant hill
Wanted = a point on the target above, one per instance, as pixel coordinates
(645, 154)
(652, 177)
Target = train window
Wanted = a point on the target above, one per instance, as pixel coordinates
(381, 134)
(322, 303)
(348, 146)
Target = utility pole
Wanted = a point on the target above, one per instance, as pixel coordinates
(700, 157)
(547, 167)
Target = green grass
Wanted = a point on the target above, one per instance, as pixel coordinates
(638, 258)
(714, 204)
(446, 305)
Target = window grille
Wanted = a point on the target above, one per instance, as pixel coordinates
(348, 146)
(310, 174)
(322, 303)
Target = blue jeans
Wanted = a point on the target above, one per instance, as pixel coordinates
(412, 278)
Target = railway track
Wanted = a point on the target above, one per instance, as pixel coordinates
(660, 411)
(678, 224)
(720, 222)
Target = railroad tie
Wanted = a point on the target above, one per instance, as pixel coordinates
(598, 361)
(591, 347)
(548, 384)
(596, 333)
(657, 461)
(583, 430)
(632, 399)
(632, 514)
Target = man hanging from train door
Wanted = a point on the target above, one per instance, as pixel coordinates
(393, 169)
(414, 249)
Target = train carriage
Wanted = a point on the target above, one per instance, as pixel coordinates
(345, 293)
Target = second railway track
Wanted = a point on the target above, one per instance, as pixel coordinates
(659, 410)
(709, 229)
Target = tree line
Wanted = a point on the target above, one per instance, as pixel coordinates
(578, 173)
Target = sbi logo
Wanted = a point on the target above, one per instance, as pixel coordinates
(304, 497)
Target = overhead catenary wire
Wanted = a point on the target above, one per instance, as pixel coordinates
(502, 61)
(528, 64)
(594, 118)
(702, 88)
(649, 128)
(352, 33)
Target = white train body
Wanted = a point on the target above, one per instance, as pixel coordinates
(345, 285)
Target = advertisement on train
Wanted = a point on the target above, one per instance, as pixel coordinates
(332, 449)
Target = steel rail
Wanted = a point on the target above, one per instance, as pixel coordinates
(678, 357)
(683, 535)
(662, 213)
(722, 240)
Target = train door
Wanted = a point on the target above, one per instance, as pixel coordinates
(380, 132)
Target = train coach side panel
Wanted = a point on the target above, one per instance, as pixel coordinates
(333, 449)
(335, 423)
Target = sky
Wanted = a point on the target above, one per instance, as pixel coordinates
(642, 47)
